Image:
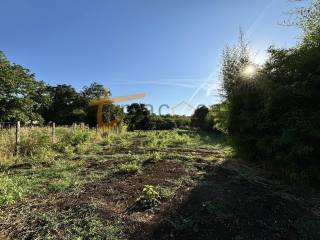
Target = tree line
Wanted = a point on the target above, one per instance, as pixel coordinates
(25, 99)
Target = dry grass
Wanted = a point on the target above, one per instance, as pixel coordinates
(36, 144)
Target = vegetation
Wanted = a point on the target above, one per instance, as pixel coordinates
(273, 114)
(126, 168)
(96, 186)
(23, 98)
(198, 119)
(183, 182)
(149, 198)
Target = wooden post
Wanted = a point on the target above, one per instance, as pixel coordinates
(97, 129)
(17, 136)
(53, 132)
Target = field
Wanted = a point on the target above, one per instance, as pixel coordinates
(144, 185)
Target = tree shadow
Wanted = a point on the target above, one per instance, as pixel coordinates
(211, 138)
(232, 202)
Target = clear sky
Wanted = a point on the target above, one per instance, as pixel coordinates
(169, 49)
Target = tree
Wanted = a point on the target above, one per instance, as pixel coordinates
(21, 96)
(274, 115)
(219, 114)
(66, 106)
(198, 119)
(234, 60)
(138, 117)
(308, 20)
(182, 122)
(113, 112)
(94, 91)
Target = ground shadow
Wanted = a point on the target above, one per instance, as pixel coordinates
(229, 204)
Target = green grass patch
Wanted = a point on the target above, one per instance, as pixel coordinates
(129, 168)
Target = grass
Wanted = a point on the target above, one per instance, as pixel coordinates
(89, 186)
(129, 168)
(13, 188)
(71, 224)
(60, 173)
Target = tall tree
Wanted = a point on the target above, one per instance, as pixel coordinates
(66, 106)
(93, 91)
(138, 117)
(21, 95)
(235, 59)
(308, 20)
(198, 119)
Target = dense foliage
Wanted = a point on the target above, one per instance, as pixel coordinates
(20, 94)
(138, 117)
(25, 99)
(274, 114)
(198, 119)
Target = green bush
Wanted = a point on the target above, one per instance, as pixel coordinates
(35, 144)
(13, 189)
(70, 142)
(149, 198)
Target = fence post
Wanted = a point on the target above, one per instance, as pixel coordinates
(53, 132)
(17, 137)
(97, 129)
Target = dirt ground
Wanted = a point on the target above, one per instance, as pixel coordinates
(204, 198)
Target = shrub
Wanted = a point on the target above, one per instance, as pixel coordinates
(70, 142)
(36, 143)
(161, 123)
(198, 119)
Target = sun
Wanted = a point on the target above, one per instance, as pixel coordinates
(249, 71)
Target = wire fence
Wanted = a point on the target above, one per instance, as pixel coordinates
(7, 125)
(12, 132)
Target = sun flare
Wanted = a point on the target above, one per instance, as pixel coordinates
(249, 71)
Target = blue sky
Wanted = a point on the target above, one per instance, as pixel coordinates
(169, 49)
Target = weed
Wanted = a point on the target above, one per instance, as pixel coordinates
(11, 190)
(152, 157)
(36, 145)
(59, 185)
(128, 168)
(94, 229)
(75, 224)
(165, 192)
(108, 140)
(149, 198)
(70, 142)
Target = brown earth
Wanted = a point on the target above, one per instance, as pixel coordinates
(223, 199)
